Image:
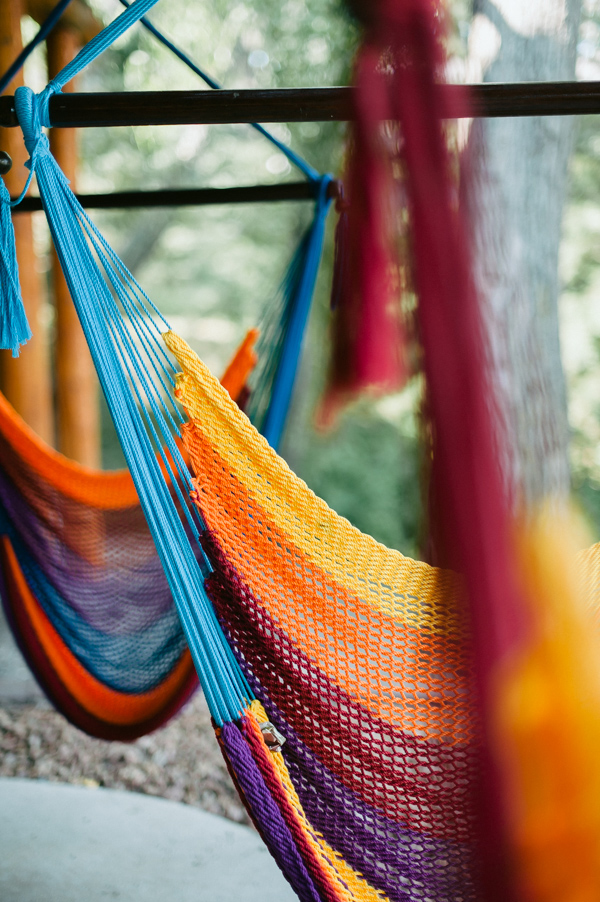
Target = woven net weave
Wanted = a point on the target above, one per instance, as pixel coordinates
(359, 655)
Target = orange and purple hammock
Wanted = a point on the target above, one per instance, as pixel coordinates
(397, 731)
(83, 587)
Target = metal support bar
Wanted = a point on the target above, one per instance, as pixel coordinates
(296, 105)
(189, 197)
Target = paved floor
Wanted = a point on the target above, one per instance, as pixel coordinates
(63, 843)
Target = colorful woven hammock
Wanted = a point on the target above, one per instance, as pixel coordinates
(361, 657)
(393, 735)
(83, 587)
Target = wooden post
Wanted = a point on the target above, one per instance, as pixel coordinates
(25, 380)
(77, 409)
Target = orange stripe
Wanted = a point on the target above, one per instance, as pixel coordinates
(97, 488)
(414, 679)
(102, 702)
(243, 362)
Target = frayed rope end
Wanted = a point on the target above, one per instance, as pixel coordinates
(14, 328)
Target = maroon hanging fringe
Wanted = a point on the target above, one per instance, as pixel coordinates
(397, 74)
(368, 336)
(367, 332)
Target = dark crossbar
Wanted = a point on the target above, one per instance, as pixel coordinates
(189, 197)
(295, 105)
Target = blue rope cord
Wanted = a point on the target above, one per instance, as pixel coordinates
(96, 46)
(125, 367)
(114, 312)
(293, 157)
(44, 30)
(300, 302)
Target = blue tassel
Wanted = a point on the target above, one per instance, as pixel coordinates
(14, 328)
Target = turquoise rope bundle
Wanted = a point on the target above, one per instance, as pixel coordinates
(280, 352)
(14, 328)
(123, 330)
(283, 329)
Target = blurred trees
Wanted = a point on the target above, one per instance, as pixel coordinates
(212, 270)
(522, 194)
(580, 273)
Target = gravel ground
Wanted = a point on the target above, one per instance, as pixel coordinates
(181, 762)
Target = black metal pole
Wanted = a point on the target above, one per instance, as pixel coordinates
(188, 197)
(295, 105)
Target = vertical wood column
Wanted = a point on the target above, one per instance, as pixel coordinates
(77, 409)
(25, 380)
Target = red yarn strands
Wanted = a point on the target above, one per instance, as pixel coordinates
(475, 520)
(368, 337)
(399, 62)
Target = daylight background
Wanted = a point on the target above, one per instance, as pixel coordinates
(213, 271)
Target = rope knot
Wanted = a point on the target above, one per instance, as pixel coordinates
(33, 115)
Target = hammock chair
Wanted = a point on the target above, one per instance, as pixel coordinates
(83, 588)
(369, 706)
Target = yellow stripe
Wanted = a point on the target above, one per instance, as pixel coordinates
(351, 885)
(409, 591)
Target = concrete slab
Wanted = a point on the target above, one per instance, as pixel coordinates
(62, 843)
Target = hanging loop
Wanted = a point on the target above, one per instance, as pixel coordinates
(32, 113)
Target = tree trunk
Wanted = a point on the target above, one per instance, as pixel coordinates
(522, 190)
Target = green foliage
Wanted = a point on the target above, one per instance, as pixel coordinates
(211, 271)
(580, 316)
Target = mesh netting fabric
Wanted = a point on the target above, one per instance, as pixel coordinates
(360, 656)
(83, 585)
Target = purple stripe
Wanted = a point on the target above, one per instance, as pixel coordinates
(391, 858)
(266, 814)
(128, 567)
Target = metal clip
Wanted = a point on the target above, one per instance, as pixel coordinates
(273, 738)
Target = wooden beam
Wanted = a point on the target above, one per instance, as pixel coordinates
(77, 409)
(191, 197)
(25, 380)
(297, 105)
(78, 16)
